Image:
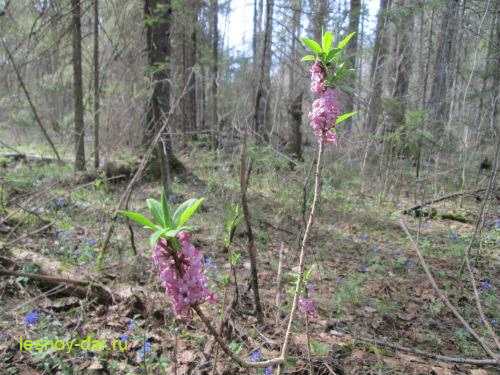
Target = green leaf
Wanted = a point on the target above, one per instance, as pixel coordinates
(153, 239)
(327, 41)
(344, 117)
(186, 210)
(138, 218)
(309, 58)
(156, 211)
(167, 217)
(312, 45)
(345, 41)
(332, 54)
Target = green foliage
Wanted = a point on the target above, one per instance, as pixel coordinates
(232, 220)
(331, 58)
(164, 224)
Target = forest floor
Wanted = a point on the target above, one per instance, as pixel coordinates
(368, 280)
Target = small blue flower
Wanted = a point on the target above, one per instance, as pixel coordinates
(485, 285)
(268, 371)
(209, 263)
(363, 237)
(91, 242)
(256, 355)
(123, 338)
(31, 319)
(409, 264)
(454, 236)
(363, 269)
(146, 348)
(131, 324)
(493, 322)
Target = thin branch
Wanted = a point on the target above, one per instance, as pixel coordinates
(472, 240)
(244, 177)
(443, 297)
(317, 188)
(28, 97)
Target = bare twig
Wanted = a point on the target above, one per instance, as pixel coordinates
(443, 297)
(28, 97)
(477, 229)
(227, 350)
(252, 252)
(279, 278)
(317, 184)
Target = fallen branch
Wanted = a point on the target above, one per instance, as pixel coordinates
(79, 287)
(445, 299)
(473, 193)
(31, 158)
(16, 240)
(438, 357)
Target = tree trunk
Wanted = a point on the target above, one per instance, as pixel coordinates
(319, 12)
(96, 84)
(377, 67)
(262, 97)
(439, 104)
(295, 101)
(403, 62)
(352, 49)
(78, 87)
(158, 18)
(215, 71)
(189, 48)
(496, 75)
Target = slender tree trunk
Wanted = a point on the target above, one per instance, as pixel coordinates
(352, 50)
(215, 71)
(439, 104)
(189, 49)
(403, 63)
(78, 87)
(319, 12)
(377, 67)
(96, 84)
(294, 98)
(262, 97)
(496, 77)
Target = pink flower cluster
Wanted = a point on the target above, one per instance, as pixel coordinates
(325, 108)
(184, 282)
(308, 307)
(317, 78)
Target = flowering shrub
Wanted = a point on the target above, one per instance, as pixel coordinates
(183, 279)
(178, 262)
(327, 71)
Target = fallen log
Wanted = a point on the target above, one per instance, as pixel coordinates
(80, 288)
(474, 193)
(31, 158)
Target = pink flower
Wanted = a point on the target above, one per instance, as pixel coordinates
(307, 307)
(325, 110)
(317, 78)
(184, 282)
